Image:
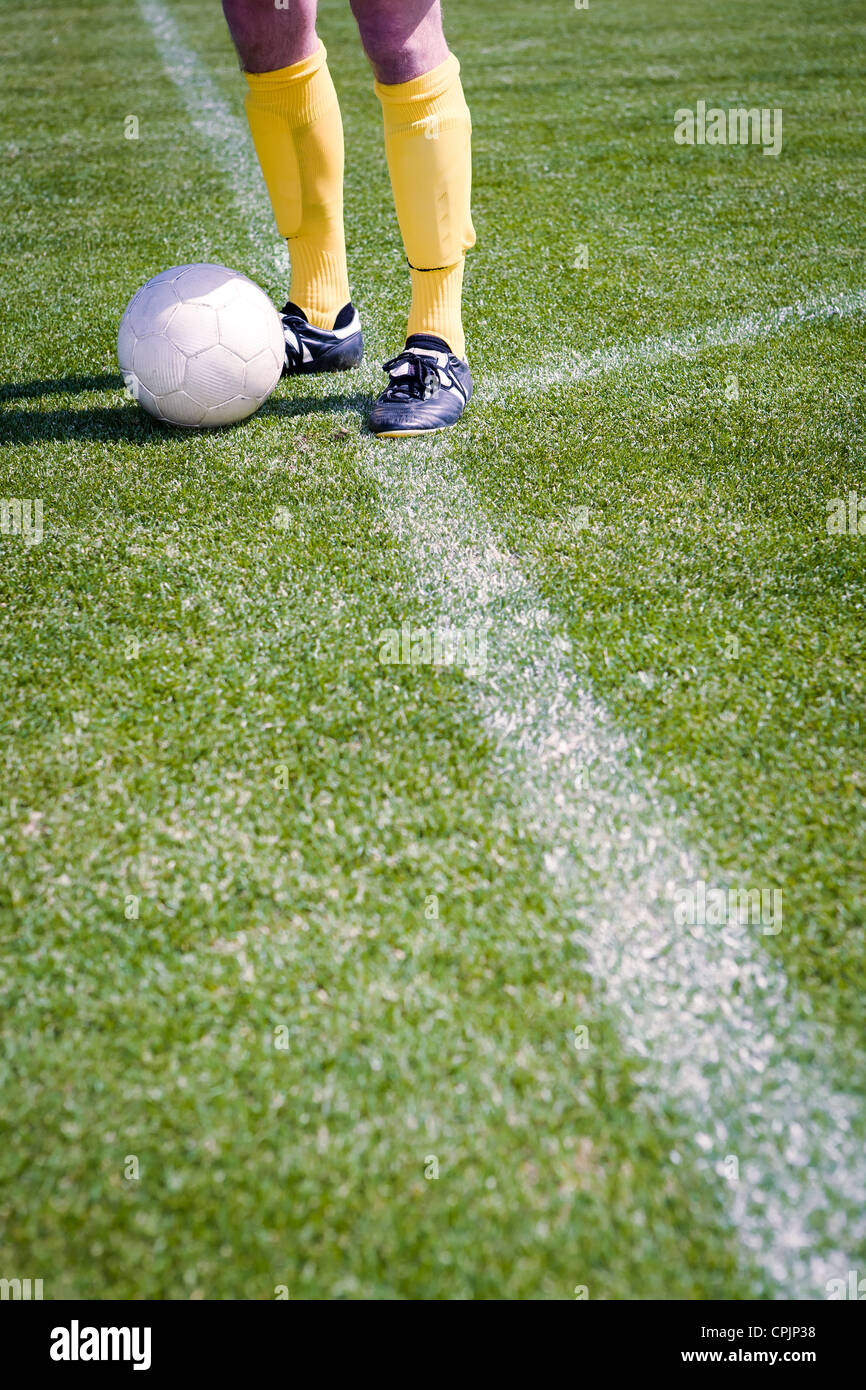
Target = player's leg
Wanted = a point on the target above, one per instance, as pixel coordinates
(269, 38)
(427, 141)
(296, 127)
(402, 38)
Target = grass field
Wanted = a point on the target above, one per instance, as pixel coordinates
(287, 930)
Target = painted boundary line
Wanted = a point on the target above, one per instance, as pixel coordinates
(227, 138)
(656, 352)
(224, 134)
(704, 1008)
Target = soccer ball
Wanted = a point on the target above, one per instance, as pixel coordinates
(200, 345)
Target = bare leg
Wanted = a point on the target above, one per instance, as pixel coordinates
(401, 38)
(268, 38)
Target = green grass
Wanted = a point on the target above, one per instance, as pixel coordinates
(166, 649)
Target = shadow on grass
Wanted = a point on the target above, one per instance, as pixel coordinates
(354, 403)
(126, 422)
(65, 385)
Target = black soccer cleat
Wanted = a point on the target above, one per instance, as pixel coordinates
(311, 349)
(428, 389)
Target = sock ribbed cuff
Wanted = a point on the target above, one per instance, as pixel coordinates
(292, 90)
(404, 99)
(436, 305)
(318, 285)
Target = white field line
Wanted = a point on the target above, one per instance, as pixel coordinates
(225, 135)
(705, 1008)
(655, 352)
(228, 140)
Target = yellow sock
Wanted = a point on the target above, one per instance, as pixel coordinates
(427, 143)
(295, 122)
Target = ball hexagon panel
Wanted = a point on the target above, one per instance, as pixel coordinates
(179, 408)
(214, 284)
(262, 374)
(214, 376)
(276, 339)
(151, 309)
(243, 327)
(194, 328)
(165, 276)
(229, 412)
(145, 398)
(125, 344)
(227, 293)
(158, 364)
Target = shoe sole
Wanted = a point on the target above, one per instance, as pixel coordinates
(408, 434)
(431, 429)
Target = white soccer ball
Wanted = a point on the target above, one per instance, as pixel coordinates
(200, 345)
